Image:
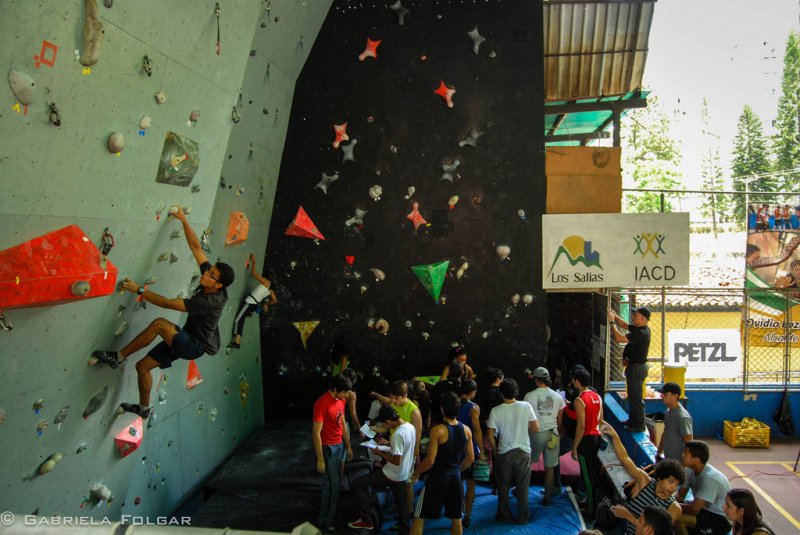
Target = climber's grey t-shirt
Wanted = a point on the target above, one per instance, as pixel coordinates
(204, 312)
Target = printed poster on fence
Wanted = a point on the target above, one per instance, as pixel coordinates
(772, 262)
(707, 353)
(614, 250)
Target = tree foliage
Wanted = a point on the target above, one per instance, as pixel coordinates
(652, 157)
(787, 140)
(750, 159)
(713, 206)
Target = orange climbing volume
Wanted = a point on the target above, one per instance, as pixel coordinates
(59, 267)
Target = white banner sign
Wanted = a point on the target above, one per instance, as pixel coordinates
(707, 353)
(615, 250)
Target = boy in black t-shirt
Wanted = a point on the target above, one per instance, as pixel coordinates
(198, 335)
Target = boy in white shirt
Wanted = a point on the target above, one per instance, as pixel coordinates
(512, 421)
(549, 407)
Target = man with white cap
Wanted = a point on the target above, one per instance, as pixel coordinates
(548, 406)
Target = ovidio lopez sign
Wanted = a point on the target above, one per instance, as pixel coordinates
(614, 250)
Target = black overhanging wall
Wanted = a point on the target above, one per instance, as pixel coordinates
(404, 133)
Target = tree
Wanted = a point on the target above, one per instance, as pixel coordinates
(712, 205)
(652, 157)
(787, 140)
(750, 160)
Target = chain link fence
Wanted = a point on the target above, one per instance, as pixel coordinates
(721, 336)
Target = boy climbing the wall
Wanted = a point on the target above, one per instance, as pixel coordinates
(262, 296)
(198, 335)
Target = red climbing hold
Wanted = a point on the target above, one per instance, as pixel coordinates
(129, 439)
(302, 226)
(45, 270)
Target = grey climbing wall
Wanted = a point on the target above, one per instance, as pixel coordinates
(54, 176)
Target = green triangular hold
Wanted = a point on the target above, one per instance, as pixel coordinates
(432, 277)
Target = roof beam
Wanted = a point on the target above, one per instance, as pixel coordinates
(588, 136)
(608, 105)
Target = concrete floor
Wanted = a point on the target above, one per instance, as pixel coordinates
(768, 473)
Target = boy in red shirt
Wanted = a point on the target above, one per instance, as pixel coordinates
(331, 438)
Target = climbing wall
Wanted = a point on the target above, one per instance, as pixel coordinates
(173, 103)
(415, 141)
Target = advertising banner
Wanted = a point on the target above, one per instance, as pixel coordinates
(614, 250)
(707, 353)
(773, 264)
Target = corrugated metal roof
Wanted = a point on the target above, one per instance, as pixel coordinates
(595, 48)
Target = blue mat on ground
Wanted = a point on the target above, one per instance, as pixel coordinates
(560, 517)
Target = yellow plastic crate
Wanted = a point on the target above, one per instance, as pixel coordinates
(753, 434)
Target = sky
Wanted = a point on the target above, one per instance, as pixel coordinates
(728, 51)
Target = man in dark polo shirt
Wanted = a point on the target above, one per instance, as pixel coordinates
(199, 335)
(634, 358)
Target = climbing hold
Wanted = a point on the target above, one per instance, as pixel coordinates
(61, 416)
(108, 3)
(341, 134)
(521, 214)
(162, 397)
(194, 116)
(116, 142)
(302, 226)
(163, 257)
(95, 403)
(432, 277)
(147, 65)
(370, 51)
(448, 169)
(38, 405)
(515, 299)
(411, 191)
(193, 377)
(463, 269)
(41, 426)
(382, 326)
(400, 11)
(100, 493)
(375, 192)
(92, 35)
(415, 217)
(327, 180)
(55, 115)
(22, 85)
(137, 501)
(121, 328)
(527, 299)
(81, 449)
(379, 275)
(145, 122)
(452, 202)
(305, 328)
(80, 288)
(48, 465)
(357, 219)
(161, 97)
(502, 252)
(472, 138)
(2, 416)
(347, 151)
(235, 115)
(446, 93)
(408, 324)
(477, 39)
(173, 258)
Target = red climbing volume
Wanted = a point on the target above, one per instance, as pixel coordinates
(59, 267)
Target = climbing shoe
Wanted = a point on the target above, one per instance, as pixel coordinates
(108, 357)
(135, 408)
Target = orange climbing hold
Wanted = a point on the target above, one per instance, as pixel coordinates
(58, 267)
(238, 227)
